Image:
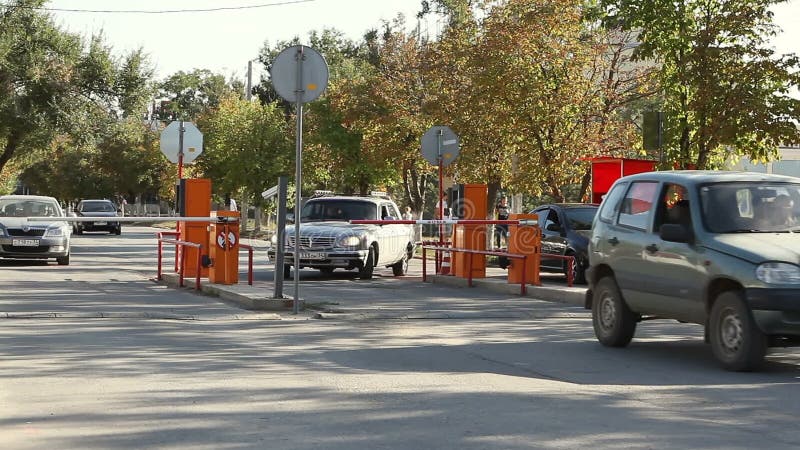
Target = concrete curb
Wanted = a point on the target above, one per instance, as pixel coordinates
(243, 295)
(143, 315)
(492, 315)
(562, 294)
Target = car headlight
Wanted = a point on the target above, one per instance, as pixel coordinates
(778, 273)
(55, 232)
(348, 241)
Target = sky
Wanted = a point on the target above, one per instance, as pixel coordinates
(224, 41)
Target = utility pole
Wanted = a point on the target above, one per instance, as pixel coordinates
(249, 93)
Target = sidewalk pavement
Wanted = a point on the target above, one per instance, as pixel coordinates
(343, 296)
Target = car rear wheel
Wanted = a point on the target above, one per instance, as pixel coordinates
(614, 323)
(400, 268)
(737, 342)
(365, 273)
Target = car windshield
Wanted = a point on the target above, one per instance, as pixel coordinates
(751, 207)
(96, 207)
(338, 210)
(580, 218)
(28, 208)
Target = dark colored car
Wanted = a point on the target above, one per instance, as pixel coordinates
(104, 210)
(566, 228)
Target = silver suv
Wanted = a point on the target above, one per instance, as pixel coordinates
(720, 249)
(328, 241)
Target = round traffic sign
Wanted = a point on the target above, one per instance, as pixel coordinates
(440, 141)
(299, 73)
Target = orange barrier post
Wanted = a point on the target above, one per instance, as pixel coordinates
(195, 202)
(525, 240)
(224, 248)
(472, 206)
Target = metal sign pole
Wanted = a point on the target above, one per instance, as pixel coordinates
(441, 187)
(298, 179)
(283, 181)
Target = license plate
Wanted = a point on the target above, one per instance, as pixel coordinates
(312, 255)
(25, 242)
(101, 223)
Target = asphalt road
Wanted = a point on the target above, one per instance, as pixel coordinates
(232, 379)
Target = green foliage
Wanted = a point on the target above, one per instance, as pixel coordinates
(724, 89)
(246, 147)
(188, 95)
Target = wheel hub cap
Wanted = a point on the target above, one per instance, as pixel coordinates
(608, 311)
(731, 332)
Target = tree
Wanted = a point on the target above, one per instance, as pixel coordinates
(188, 95)
(246, 147)
(725, 91)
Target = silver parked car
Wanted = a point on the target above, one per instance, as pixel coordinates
(21, 239)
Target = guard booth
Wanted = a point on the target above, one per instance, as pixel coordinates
(223, 251)
(606, 170)
(194, 200)
(470, 202)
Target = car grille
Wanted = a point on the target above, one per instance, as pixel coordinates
(314, 241)
(13, 249)
(30, 232)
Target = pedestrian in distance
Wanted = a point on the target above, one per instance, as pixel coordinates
(407, 214)
(230, 204)
(501, 211)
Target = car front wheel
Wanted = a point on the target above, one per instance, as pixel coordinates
(63, 260)
(365, 273)
(737, 342)
(614, 323)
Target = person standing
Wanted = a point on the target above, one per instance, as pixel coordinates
(407, 214)
(501, 213)
(230, 204)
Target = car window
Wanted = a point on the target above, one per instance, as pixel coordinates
(637, 205)
(29, 208)
(673, 206)
(393, 211)
(335, 210)
(611, 202)
(550, 217)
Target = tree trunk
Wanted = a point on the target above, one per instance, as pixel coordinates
(10, 148)
(243, 213)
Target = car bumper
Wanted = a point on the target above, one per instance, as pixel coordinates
(776, 311)
(100, 225)
(325, 258)
(44, 248)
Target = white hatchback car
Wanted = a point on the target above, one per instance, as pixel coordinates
(23, 239)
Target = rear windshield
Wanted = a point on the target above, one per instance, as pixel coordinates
(580, 218)
(338, 210)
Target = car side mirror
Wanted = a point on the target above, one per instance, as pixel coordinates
(553, 227)
(672, 232)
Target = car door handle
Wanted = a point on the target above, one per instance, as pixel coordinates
(652, 248)
(613, 241)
